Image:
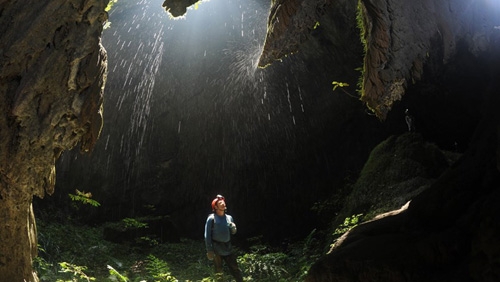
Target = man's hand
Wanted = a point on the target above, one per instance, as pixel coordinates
(210, 255)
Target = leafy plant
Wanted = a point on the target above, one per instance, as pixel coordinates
(148, 240)
(267, 267)
(44, 268)
(337, 84)
(349, 223)
(132, 223)
(108, 8)
(84, 198)
(76, 271)
(159, 270)
(303, 254)
(110, 5)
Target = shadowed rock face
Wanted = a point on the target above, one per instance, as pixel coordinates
(52, 72)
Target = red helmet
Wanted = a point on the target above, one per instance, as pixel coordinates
(217, 199)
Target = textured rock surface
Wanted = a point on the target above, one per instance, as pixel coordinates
(52, 72)
(400, 37)
(397, 170)
(289, 24)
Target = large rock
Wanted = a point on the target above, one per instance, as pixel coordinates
(448, 233)
(52, 73)
(397, 170)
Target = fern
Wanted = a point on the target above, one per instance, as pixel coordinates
(159, 269)
(84, 198)
(132, 223)
(76, 271)
(114, 273)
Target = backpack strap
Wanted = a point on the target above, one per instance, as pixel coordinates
(212, 218)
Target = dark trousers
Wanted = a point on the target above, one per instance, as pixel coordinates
(231, 263)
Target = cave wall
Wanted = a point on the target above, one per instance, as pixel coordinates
(52, 72)
(446, 233)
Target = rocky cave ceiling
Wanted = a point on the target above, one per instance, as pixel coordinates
(398, 37)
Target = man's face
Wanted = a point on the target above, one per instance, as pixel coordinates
(221, 205)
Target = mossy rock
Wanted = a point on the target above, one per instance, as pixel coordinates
(396, 171)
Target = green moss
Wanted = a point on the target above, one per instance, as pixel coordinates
(361, 24)
(395, 171)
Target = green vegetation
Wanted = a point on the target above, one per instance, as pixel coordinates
(114, 273)
(337, 84)
(397, 169)
(84, 198)
(110, 5)
(133, 223)
(108, 8)
(74, 252)
(360, 19)
(75, 271)
(349, 223)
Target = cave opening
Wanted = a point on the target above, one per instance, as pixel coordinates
(189, 114)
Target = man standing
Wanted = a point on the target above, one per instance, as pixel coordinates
(410, 122)
(218, 230)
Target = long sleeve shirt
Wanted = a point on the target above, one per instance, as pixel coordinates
(217, 228)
